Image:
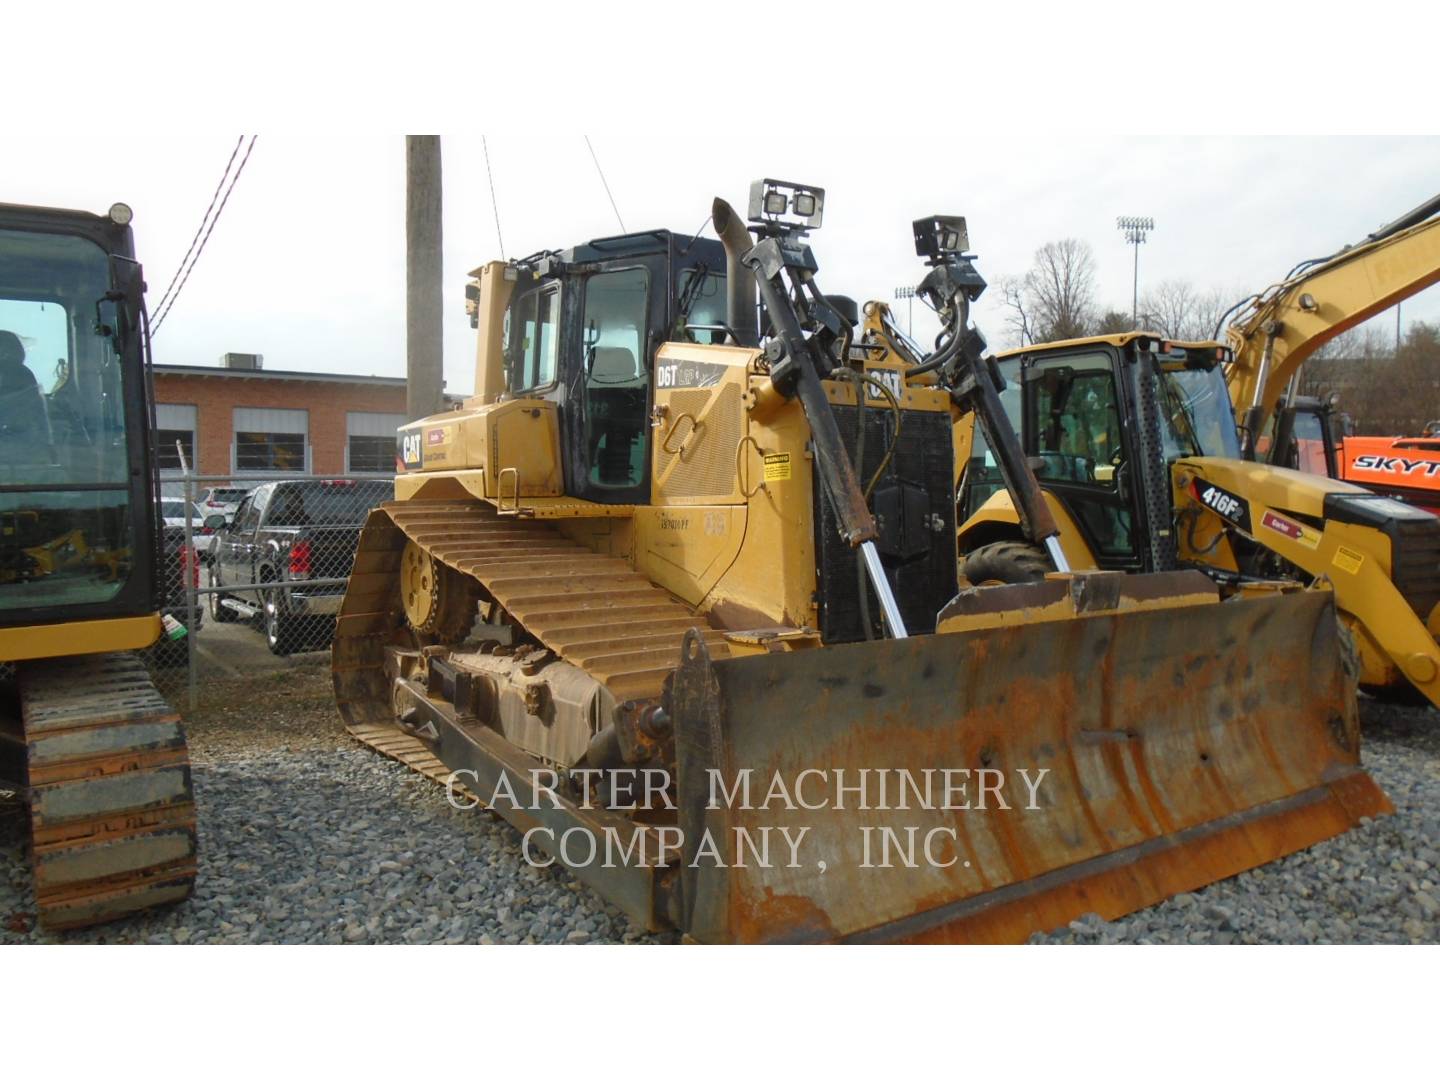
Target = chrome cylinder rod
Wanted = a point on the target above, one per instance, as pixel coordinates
(893, 621)
(1052, 545)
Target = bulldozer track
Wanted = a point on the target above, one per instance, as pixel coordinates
(112, 807)
(592, 610)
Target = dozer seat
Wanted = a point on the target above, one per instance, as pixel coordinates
(615, 389)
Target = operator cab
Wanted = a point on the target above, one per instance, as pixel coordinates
(581, 329)
(77, 518)
(1074, 405)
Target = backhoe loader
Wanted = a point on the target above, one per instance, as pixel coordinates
(87, 745)
(679, 582)
(1138, 448)
(1134, 441)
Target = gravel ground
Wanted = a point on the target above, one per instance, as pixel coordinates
(394, 862)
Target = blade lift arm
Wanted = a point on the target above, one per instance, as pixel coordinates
(973, 378)
(797, 364)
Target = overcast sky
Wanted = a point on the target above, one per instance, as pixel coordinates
(307, 263)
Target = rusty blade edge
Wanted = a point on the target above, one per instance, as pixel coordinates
(955, 914)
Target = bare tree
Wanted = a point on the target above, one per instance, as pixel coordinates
(1013, 293)
(1176, 309)
(1055, 298)
(1113, 322)
(1167, 308)
(1358, 367)
(1210, 308)
(1060, 290)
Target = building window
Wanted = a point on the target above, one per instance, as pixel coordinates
(370, 441)
(269, 451)
(166, 452)
(175, 423)
(271, 440)
(372, 453)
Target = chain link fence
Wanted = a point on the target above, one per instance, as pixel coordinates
(255, 569)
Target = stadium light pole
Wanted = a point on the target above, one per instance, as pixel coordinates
(1135, 229)
(907, 292)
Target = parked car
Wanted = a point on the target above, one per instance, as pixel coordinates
(222, 500)
(290, 531)
(172, 509)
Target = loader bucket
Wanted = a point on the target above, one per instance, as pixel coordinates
(1180, 745)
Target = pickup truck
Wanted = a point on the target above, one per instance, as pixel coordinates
(292, 532)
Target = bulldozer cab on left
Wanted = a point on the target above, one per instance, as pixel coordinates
(576, 329)
(94, 750)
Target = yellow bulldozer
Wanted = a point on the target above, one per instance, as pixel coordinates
(1146, 465)
(87, 746)
(676, 594)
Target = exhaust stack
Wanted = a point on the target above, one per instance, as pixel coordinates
(740, 302)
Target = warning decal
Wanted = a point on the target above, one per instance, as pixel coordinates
(777, 467)
(1348, 559)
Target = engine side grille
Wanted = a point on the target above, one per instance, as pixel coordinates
(1415, 563)
(914, 505)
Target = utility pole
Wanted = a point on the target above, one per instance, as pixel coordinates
(1135, 229)
(424, 344)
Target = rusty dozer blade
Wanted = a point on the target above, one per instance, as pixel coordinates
(1179, 745)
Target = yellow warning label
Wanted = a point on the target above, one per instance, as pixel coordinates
(1348, 560)
(777, 467)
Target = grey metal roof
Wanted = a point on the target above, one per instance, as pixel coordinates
(203, 371)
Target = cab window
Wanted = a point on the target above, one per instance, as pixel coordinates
(617, 376)
(702, 305)
(532, 326)
(1308, 444)
(1074, 415)
(1077, 420)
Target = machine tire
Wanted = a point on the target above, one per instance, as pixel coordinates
(281, 630)
(218, 611)
(1008, 562)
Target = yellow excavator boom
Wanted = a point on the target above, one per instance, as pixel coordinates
(1285, 324)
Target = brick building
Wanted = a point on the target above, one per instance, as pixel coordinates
(241, 419)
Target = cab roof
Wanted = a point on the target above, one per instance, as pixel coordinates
(1116, 340)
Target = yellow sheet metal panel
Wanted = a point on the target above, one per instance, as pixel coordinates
(76, 638)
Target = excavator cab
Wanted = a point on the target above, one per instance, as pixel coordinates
(94, 751)
(73, 425)
(1306, 433)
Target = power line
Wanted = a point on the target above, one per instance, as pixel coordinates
(494, 206)
(161, 316)
(194, 239)
(605, 183)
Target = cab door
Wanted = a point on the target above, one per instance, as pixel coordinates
(1074, 435)
(615, 313)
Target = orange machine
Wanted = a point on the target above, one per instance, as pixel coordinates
(1407, 468)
